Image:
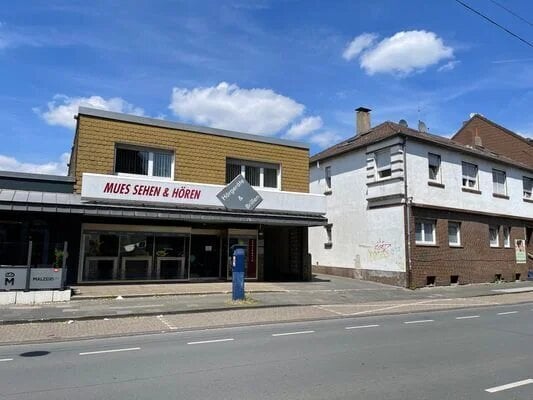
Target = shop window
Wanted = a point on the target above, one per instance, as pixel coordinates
(470, 172)
(257, 174)
(139, 161)
(499, 182)
(506, 236)
(434, 167)
(493, 235)
(528, 187)
(382, 161)
(454, 234)
(425, 232)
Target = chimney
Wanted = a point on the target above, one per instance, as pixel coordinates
(477, 140)
(362, 120)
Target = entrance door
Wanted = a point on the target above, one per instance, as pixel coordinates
(205, 256)
(246, 240)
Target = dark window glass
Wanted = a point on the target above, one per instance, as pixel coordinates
(232, 171)
(270, 178)
(252, 175)
(162, 164)
(132, 161)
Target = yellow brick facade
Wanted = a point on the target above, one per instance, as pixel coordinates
(199, 157)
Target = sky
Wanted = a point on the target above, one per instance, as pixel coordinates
(290, 69)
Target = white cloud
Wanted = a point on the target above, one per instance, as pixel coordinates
(61, 109)
(358, 44)
(403, 53)
(51, 168)
(227, 106)
(449, 66)
(304, 127)
(325, 139)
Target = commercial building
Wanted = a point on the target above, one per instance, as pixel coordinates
(412, 209)
(142, 203)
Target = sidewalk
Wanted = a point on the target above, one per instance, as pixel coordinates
(322, 291)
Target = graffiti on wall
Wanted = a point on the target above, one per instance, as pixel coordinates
(384, 252)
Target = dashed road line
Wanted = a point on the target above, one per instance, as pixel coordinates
(420, 321)
(5, 359)
(88, 353)
(509, 386)
(212, 341)
(362, 326)
(292, 333)
(507, 312)
(467, 317)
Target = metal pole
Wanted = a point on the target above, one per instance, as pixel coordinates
(28, 266)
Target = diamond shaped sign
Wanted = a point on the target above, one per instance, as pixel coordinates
(239, 195)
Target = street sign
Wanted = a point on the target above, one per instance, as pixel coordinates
(239, 195)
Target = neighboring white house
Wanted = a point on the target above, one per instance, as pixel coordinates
(410, 208)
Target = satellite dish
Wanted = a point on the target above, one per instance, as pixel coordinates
(422, 127)
(403, 122)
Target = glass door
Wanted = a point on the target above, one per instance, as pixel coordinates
(247, 240)
(205, 256)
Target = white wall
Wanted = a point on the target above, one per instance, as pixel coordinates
(451, 195)
(361, 238)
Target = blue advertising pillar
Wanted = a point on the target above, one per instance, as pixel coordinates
(238, 274)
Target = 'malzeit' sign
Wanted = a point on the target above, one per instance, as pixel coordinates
(128, 189)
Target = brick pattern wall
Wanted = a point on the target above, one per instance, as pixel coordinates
(496, 140)
(474, 261)
(198, 157)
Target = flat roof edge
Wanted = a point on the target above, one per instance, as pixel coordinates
(187, 127)
(34, 176)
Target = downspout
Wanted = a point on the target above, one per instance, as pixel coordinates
(407, 216)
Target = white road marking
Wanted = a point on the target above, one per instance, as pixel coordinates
(165, 322)
(5, 359)
(420, 321)
(361, 326)
(87, 353)
(507, 312)
(292, 333)
(509, 386)
(468, 317)
(212, 341)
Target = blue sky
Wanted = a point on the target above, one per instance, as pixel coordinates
(294, 69)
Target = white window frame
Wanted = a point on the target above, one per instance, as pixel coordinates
(327, 177)
(527, 194)
(507, 237)
(439, 176)
(423, 223)
(329, 236)
(468, 177)
(458, 243)
(497, 242)
(261, 166)
(387, 167)
(495, 173)
(151, 152)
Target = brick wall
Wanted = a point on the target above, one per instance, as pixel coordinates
(199, 157)
(474, 261)
(496, 140)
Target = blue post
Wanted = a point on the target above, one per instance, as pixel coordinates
(238, 274)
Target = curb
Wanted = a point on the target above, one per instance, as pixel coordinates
(140, 295)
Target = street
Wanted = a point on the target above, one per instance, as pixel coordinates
(482, 353)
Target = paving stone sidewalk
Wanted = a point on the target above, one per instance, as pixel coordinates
(70, 330)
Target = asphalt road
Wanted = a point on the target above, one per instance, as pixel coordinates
(484, 353)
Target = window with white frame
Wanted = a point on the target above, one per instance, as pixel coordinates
(383, 164)
(494, 235)
(528, 187)
(329, 242)
(434, 167)
(264, 175)
(327, 177)
(506, 236)
(143, 161)
(454, 233)
(470, 175)
(499, 182)
(425, 232)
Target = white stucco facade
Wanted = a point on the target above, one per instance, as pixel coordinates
(361, 239)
